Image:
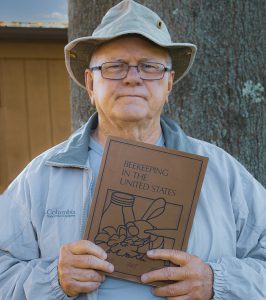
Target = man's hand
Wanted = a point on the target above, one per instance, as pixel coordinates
(194, 278)
(78, 265)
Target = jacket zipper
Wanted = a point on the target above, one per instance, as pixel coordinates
(86, 199)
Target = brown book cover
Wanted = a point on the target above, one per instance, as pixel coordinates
(145, 198)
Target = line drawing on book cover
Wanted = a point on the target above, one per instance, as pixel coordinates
(131, 225)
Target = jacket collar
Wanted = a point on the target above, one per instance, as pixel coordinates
(174, 136)
(74, 151)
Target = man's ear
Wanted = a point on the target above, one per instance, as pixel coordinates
(171, 81)
(170, 84)
(89, 85)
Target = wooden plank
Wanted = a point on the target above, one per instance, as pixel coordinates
(41, 50)
(16, 127)
(60, 100)
(39, 119)
(34, 103)
(3, 154)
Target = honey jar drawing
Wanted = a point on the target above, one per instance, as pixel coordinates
(125, 235)
(120, 210)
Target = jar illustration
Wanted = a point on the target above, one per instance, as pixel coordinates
(119, 211)
(122, 234)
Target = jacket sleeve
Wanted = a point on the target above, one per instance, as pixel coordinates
(243, 277)
(23, 273)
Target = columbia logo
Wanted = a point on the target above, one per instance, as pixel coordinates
(52, 213)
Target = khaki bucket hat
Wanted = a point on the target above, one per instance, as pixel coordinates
(125, 18)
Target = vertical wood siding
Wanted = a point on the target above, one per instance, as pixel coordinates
(34, 103)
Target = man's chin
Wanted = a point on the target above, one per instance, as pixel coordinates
(129, 116)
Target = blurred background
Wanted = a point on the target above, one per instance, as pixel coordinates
(222, 99)
(36, 11)
(34, 86)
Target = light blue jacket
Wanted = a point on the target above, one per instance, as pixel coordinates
(47, 206)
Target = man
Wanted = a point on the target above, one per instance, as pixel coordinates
(128, 67)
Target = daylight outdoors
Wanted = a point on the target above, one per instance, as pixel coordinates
(33, 34)
(48, 11)
(132, 149)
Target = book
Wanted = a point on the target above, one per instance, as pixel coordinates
(145, 198)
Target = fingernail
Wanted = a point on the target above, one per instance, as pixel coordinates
(104, 255)
(103, 278)
(150, 252)
(111, 268)
(144, 277)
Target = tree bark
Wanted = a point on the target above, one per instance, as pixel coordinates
(222, 99)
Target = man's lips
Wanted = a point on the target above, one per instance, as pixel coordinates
(132, 96)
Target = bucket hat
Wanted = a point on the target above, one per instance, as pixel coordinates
(125, 18)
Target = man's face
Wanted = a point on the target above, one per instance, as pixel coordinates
(131, 99)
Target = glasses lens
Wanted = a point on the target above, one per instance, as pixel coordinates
(119, 70)
(150, 70)
(114, 70)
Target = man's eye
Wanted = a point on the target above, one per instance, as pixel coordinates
(147, 67)
(114, 67)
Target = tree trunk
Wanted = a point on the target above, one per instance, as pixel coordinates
(222, 99)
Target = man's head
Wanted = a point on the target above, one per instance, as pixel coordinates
(129, 79)
(126, 18)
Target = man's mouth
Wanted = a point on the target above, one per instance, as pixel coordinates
(132, 96)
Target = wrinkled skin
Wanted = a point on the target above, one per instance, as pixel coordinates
(78, 266)
(130, 108)
(193, 278)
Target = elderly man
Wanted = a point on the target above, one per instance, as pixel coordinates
(128, 68)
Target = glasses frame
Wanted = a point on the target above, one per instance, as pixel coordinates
(100, 67)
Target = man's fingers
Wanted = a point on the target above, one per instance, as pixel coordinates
(194, 278)
(86, 247)
(183, 297)
(86, 287)
(169, 273)
(85, 275)
(73, 288)
(91, 262)
(171, 290)
(175, 256)
(77, 264)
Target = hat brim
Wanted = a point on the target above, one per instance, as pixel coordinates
(78, 54)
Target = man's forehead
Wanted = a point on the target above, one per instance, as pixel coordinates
(127, 45)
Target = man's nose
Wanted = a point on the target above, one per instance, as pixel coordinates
(133, 75)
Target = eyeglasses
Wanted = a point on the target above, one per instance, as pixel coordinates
(119, 70)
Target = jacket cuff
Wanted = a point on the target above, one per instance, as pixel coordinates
(220, 287)
(58, 291)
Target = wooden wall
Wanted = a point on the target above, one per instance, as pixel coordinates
(34, 103)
